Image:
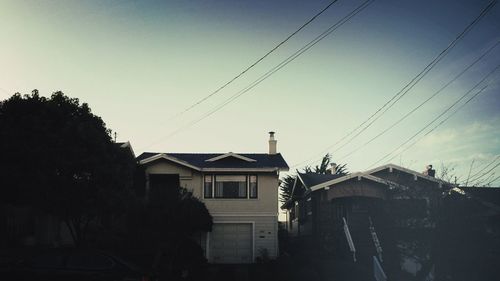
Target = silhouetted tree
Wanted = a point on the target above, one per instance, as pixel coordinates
(166, 225)
(58, 157)
(323, 168)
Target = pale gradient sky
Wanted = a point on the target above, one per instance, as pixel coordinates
(138, 63)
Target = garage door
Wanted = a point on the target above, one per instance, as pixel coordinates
(231, 243)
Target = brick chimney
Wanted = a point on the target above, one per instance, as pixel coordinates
(272, 144)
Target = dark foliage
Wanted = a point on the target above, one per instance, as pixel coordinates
(323, 168)
(59, 158)
(165, 227)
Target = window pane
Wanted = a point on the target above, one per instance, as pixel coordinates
(229, 186)
(208, 187)
(253, 186)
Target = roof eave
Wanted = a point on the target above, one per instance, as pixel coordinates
(167, 157)
(412, 172)
(359, 175)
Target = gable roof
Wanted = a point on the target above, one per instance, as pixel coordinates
(312, 179)
(313, 182)
(230, 154)
(358, 175)
(221, 161)
(408, 171)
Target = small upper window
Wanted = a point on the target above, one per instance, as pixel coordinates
(208, 186)
(253, 186)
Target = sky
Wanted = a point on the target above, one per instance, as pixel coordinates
(140, 64)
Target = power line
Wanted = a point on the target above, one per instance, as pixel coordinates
(256, 62)
(486, 167)
(477, 180)
(276, 68)
(492, 181)
(474, 176)
(439, 116)
(486, 179)
(435, 127)
(400, 94)
(424, 102)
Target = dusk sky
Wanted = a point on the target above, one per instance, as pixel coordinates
(139, 64)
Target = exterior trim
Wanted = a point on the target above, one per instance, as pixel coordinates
(240, 169)
(358, 175)
(392, 167)
(302, 181)
(231, 154)
(170, 158)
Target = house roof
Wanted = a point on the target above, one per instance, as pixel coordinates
(315, 182)
(220, 161)
(312, 179)
(391, 167)
(358, 175)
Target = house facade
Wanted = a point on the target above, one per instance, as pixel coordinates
(240, 190)
(390, 201)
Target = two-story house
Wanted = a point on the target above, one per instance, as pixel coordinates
(240, 191)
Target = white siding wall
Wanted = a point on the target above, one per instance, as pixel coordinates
(267, 201)
(262, 211)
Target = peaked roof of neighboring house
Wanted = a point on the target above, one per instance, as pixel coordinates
(340, 179)
(214, 161)
(312, 179)
(126, 145)
(313, 182)
(391, 167)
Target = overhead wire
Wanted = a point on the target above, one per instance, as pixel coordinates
(438, 117)
(273, 70)
(485, 167)
(424, 102)
(476, 176)
(256, 62)
(492, 181)
(401, 93)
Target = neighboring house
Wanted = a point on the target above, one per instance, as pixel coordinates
(240, 191)
(388, 197)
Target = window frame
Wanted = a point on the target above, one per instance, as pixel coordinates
(238, 197)
(211, 186)
(213, 178)
(256, 187)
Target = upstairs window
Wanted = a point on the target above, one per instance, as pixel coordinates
(253, 186)
(208, 186)
(230, 186)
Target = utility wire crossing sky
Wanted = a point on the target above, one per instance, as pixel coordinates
(146, 67)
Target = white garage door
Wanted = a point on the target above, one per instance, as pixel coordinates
(231, 243)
